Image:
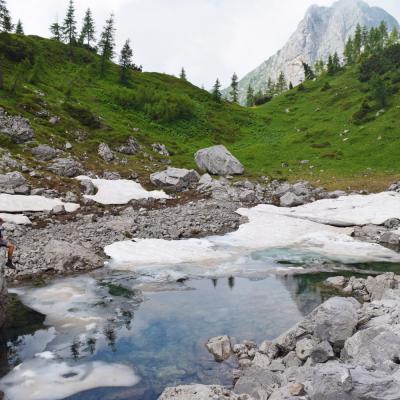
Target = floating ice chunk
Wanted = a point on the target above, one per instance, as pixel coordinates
(121, 191)
(351, 210)
(43, 378)
(17, 219)
(21, 203)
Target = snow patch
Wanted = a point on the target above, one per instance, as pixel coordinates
(43, 378)
(120, 191)
(11, 203)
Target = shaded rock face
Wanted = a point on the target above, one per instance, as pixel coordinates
(217, 160)
(323, 31)
(175, 178)
(68, 257)
(67, 167)
(17, 127)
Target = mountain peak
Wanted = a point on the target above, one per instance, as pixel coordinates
(323, 31)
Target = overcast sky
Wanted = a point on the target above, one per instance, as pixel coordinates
(210, 38)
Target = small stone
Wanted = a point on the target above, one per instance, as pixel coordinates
(297, 389)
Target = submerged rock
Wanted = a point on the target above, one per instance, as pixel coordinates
(217, 160)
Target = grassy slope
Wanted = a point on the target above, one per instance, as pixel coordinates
(296, 126)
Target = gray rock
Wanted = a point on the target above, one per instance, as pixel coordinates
(335, 320)
(338, 282)
(270, 349)
(54, 120)
(68, 146)
(392, 223)
(217, 160)
(3, 297)
(105, 152)
(111, 176)
(205, 179)
(160, 149)
(390, 238)
(24, 189)
(65, 256)
(67, 167)
(58, 209)
(377, 286)
(304, 348)
(88, 187)
(11, 181)
(301, 189)
(175, 178)
(44, 152)
(290, 200)
(322, 352)
(199, 392)
(17, 127)
(132, 147)
(220, 347)
(336, 194)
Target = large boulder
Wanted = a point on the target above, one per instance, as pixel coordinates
(218, 160)
(198, 392)
(175, 178)
(3, 297)
(67, 167)
(64, 257)
(17, 127)
(45, 152)
(220, 347)
(12, 182)
(105, 152)
(335, 320)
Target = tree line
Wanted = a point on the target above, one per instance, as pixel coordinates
(6, 24)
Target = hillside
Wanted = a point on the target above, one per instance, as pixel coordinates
(314, 124)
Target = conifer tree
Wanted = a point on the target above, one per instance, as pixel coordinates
(183, 74)
(290, 85)
(125, 62)
(250, 97)
(394, 37)
(319, 67)
(271, 90)
(69, 25)
(216, 91)
(55, 30)
(384, 34)
(19, 29)
(308, 72)
(107, 44)
(88, 31)
(5, 19)
(234, 93)
(281, 84)
(358, 42)
(349, 53)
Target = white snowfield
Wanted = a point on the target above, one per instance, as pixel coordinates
(16, 219)
(12, 203)
(120, 191)
(272, 227)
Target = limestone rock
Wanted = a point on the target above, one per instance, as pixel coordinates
(17, 127)
(175, 178)
(10, 182)
(67, 167)
(65, 256)
(217, 160)
(220, 347)
(88, 187)
(290, 200)
(132, 147)
(105, 152)
(44, 152)
(199, 392)
(160, 149)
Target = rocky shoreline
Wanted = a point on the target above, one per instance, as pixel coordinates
(343, 350)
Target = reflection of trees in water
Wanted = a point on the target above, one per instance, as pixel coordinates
(75, 349)
(214, 282)
(231, 282)
(91, 345)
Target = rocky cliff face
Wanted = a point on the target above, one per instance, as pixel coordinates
(323, 31)
(3, 294)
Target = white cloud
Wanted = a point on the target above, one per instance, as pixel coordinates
(210, 38)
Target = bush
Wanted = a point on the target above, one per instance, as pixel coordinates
(84, 116)
(260, 100)
(15, 48)
(362, 115)
(159, 106)
(326, 87)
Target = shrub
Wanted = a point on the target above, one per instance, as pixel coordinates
(362, 115)
(326, 87)
(84, 116)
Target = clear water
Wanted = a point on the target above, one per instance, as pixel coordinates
(163, 337)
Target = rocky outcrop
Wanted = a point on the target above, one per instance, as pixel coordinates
(217, 160)
(16, 127)
(13, 183)
(3, 297)
(176, 179)
(45, 152)
(131, 147)
(323, 31)
(66, 167)
(105, 152)
(66, 257)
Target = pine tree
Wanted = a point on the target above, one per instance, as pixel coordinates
(358, 42)
(336, 63)
(88, 31)
(281, 84)
(384, 34)
(308, 72)
(107, 44)
(394, 37)
(216, 91)
(290, 85)
(69, 25)
(125, 62)
(234, 93)
(183, 74)
(271, 89)
(55, 30)
(319, 67)
(349, 53)
(19, 29)
(5, 19)
(250, 97)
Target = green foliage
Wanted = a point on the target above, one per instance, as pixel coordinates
(379, 90)
(125, 63)
(5, 18)
(38, 71)
(216, 92)
(234, 93)
(19, 29)
(250, 97)
(363, 114)
(107, 44)
(183, 74)
(309, 74)
(88, 30)
(20, 75)
(69, 30)
(83, 115)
